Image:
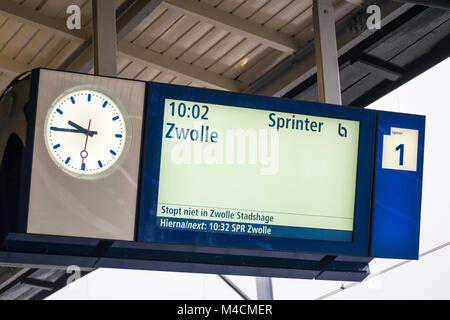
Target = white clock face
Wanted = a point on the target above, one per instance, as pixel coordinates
(86, 133)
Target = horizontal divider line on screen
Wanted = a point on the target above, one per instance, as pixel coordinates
(252, 210)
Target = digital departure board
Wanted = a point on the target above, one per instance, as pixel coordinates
(256, 172)
(248, 171)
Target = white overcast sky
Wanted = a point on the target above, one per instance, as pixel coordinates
(427, 278)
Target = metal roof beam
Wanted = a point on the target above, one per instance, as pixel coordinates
(234, 24)
(105, 38)
(328, 80)
(440, 4)
(385, 69)
(40, 284)
(299, 67)
(10, 274)
(176, 67)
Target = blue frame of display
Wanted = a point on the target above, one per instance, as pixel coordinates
(149, 231)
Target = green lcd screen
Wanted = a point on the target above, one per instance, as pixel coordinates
(246, 171)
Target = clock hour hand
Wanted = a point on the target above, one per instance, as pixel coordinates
(81, 129)
(91, 133)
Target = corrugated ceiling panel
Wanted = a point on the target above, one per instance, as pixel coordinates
(49, 52)
(247, 8)
(180, 81)
(122, 63)
(269, 10)
(131, 70)
(299, 23)
(147, 74)
(288, 14)
(64, 53)
(34, 4)
(34, 46)
(219, 49)
(7, 32)
(275, 15)
(212, 2)
(21, 38)
(174, 35)
(163, 77)
(156, 28)
(146, 22)
(233, 56)
(196, 84)
(192, 36)
(229, 5)
(55, 8)
(203, 44)
(179, 36)
(246, 62)
(270, 59)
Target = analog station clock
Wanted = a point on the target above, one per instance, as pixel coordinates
(86, 133)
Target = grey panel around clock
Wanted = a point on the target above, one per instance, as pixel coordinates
(63, 205)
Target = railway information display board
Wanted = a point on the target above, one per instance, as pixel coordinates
(255, 172)
(121, 173)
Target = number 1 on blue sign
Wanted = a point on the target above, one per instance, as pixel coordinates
(401, 147)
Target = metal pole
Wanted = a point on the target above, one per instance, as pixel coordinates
(328, 80)
(234, 287)
(105, 37)
(264, 290)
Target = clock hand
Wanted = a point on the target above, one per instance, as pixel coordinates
(80, 128)
(84, 152)
(76, 126)
(91, 133)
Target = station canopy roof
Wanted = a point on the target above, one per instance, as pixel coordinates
(256, 46)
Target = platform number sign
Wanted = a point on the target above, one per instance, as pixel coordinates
(400, 149)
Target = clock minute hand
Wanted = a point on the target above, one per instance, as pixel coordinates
(64, 129)
(81, 129)
(91, 133)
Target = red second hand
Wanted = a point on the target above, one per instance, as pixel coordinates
(84, 152)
